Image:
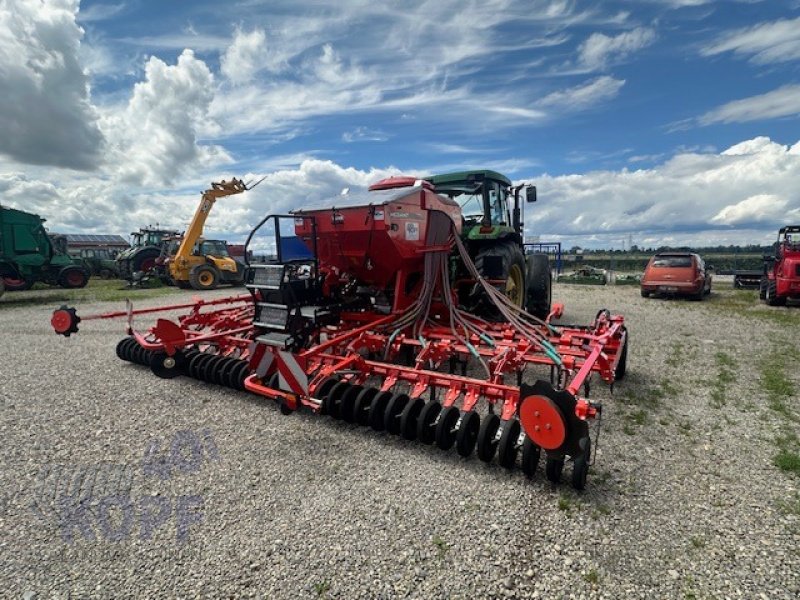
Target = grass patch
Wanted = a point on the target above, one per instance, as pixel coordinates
(442, 547)
(745, 303)
(697, 542)
(564, 504)
(776, 384)
(726, 375)
(592, 576)
(789, 461)
(97, 290)
(321, 588)
(676, 355)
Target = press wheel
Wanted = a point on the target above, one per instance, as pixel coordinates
(394, 408)
(530, 457)
(446, 427)
(409, 418)
(487, 445)
(377, 410)
(363, 404)
(467, 435)
(507, 446)
(425, 430)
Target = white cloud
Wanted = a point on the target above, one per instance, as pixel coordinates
(155, 137)
(246, 56)
(46, 117)
(754, 209)
(585, 95)
(364, 134)
(782, 102)
(696, 197)
(373, 56)
(599, 49)
(741, 195)
(765, 43)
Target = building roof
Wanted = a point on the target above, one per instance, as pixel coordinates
(105, 240)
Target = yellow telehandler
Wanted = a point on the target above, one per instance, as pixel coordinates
(204, 264)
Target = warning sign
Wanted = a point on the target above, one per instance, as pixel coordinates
(412, 231)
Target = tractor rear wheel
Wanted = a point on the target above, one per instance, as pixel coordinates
(538, 286)
(73, 277)
(772, 297)
(204, 277)
(145, 260)
(502, 260)
(762, 288)
(13, 284)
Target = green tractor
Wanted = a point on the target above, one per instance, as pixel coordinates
(141, 258)
(493, 233)
(28, 254)
(100, 261)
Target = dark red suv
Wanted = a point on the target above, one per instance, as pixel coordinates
(676, 274)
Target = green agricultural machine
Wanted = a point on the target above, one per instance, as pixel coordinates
(28, 254)
(141, 258)
(100, 261)
(493, 233)
(585, 276)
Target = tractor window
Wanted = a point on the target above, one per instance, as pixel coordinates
(497, 204)
(471, 205)
(214, 247)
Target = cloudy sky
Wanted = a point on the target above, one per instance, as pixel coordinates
(670, 121)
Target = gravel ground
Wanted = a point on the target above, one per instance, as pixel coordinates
(683, 501)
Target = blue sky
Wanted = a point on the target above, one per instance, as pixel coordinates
(673, 121)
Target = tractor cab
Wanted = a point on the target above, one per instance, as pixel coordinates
(789, 241)
(490, 204)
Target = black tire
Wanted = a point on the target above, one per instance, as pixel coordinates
(394, 410)
(538, 286)
(427, 416)
(184, 285)
(486, 262)
(334, 397)
(166, 366)
(580, 466)
(622, 365)
(445, 436)
(2, 287)
(486, 445)
(377, 411)
(762, 288)
(13, 284)
(204, 277)
(239, 374)
(73, 277)
(348, 402)
(467, 435)
(507, 446)
(645, 293)
(144, 259)
(408, 420)
(772, 297)
(530, 457)
(362, 405)
(553, 468)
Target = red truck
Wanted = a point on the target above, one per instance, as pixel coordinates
(781, 279)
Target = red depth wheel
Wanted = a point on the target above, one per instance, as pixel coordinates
(65, 321)
(543, 422)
